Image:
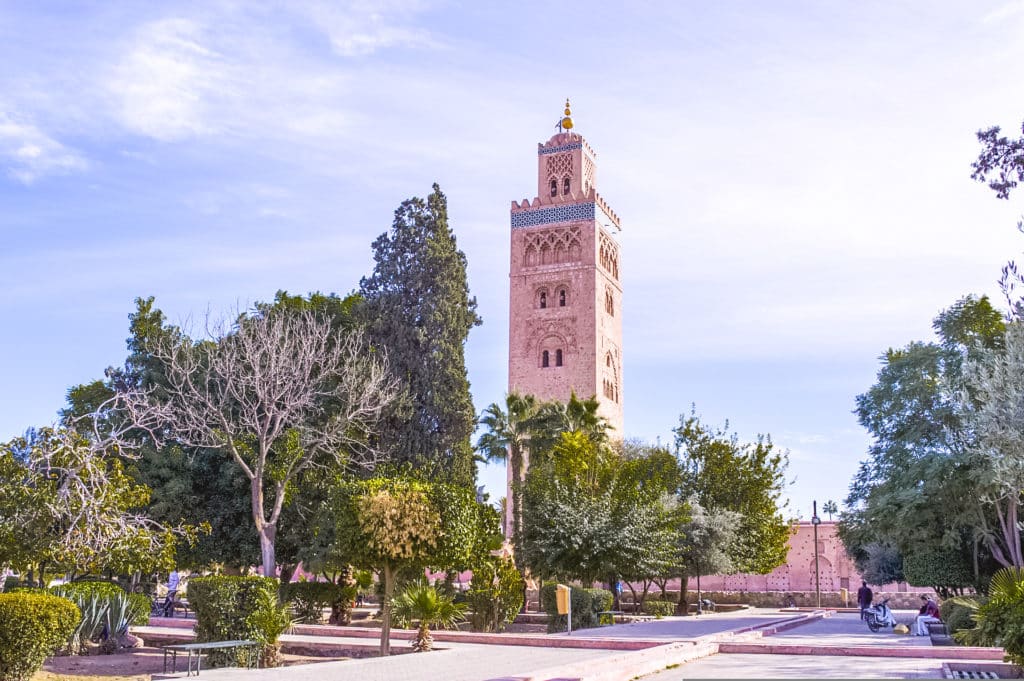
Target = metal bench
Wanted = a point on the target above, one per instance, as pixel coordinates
(197, 649)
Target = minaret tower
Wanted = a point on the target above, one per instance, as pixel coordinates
(565, 313)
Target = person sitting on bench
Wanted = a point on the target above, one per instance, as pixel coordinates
(928, 614)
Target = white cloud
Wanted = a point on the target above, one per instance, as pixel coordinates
(163, 84)
(361, 29)
(28, 153)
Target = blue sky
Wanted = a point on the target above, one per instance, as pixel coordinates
(792, 177)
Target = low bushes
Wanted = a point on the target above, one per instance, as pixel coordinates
(658, 608)
(309, 600)
(958, 613)
(32, 627)
(230, 608)
(586, 603)
(495, 595)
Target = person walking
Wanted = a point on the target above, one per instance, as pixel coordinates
(864, 598)
(172, 592)
(929, 613)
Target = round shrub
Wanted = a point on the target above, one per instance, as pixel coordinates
(583, 614)
(958, 613)
(658, 608)
(32, 627)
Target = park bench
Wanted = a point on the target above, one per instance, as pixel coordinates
(938, 632)
(196, 650)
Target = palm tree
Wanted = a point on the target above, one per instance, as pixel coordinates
(830, 508)
(422, 602)
(508, 435)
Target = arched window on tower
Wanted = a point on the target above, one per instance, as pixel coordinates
(609, 303)
(558, 357)
(565, 185)
(543, 299)
(545, 360)
(561, 298)
(554, 187)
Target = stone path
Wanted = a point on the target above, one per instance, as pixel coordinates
(847, 629)
(458, 662)
(724, 666)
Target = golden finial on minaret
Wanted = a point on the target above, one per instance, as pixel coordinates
(566, 122)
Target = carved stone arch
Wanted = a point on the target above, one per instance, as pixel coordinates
(557, 346)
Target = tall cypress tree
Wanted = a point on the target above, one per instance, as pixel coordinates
(418, 308)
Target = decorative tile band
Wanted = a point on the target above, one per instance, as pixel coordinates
(554, 150)
(542, 216)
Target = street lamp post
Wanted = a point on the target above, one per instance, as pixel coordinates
(815, 521)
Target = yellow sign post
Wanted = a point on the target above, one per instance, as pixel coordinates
(563, 600)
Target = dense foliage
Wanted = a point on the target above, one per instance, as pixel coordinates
(495, 594)
(658, 608)
(918, 488)
(32, 627)
(586, 604)
(232, 608)
(418, 309)
(723, 474)
(308, 600)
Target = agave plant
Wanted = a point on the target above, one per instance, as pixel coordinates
(423, 603)
(94, 613)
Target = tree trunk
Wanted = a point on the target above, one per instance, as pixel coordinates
(632, 590)
(684, 583)
(612, 583)
(385, 629)
(267, 535)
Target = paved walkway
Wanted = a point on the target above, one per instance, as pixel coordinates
(685, 628)
(457, 662)
(723, 666)
(847, 629)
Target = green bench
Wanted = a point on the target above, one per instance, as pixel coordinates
(196, 650)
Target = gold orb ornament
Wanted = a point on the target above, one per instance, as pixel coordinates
(567, 121)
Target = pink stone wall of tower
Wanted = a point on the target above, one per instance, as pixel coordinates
(564, 255)
(565, 287)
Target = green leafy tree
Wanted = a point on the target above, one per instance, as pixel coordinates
(401, 524)
(422, 603)
(419, 309)
(993, 401)
(912, 492)
(830, 508)
(706, 544)
(723, 474)
(495, 593)
(578, 522)
(69, 503)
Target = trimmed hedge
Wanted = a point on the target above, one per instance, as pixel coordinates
(586, 603)
(32, 627)
(309, 600)
(230, 608)
(658, 608)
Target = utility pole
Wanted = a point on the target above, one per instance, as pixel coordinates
(815, 521)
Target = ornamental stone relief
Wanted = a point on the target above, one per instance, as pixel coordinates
(552, 246)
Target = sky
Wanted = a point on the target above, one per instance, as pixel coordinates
(793, 180)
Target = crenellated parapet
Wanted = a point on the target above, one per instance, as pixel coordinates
(589, 207)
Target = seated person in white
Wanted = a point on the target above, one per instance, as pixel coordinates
(929, 613)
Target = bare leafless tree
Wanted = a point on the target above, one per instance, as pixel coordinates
(280, 391)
